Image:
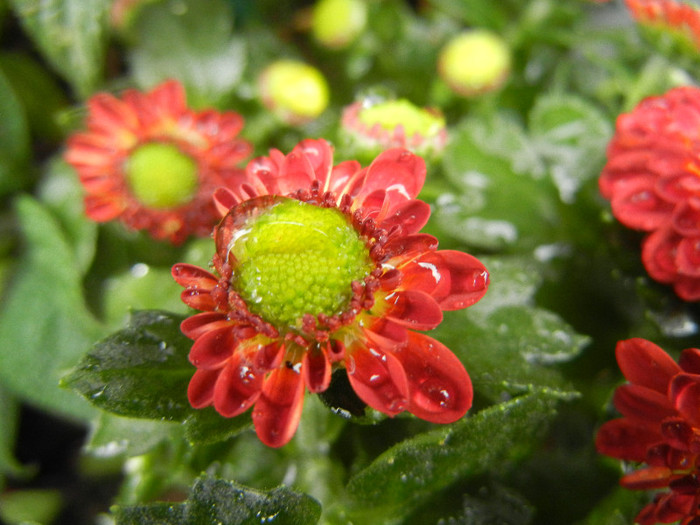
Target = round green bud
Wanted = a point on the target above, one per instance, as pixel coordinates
(336, 23)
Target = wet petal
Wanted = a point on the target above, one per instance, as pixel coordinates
(238, 387)
(386, 334)
(689, 360)
(224, 200)
(642, 404)
(659, 255)
(469, 280)
(198, 299)
(440, 388)
(647, 478)
(644, 363)
(399, 172)
(200, 391)
(406, 247)
(198, 324)
(319, 154)
(413, 309)
(316, 369)
(636, 204)
(342, 175)
(192, 276)
(297, 172)
(213, 348)
(685, 394)
(624, 439)
(278, 409)
(378, 378)
(411, 216)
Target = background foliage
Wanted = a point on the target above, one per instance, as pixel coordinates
(93, 309)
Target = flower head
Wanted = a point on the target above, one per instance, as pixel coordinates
(337, 23)
(670, 16)
(660, 426)
(153, 163)
(652, 178)
(322, 267)
(395, 124)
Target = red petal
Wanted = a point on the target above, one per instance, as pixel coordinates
(224, 200)
(238, 386)
(378, 378)
(685, 394)
(213, 348)
(192, 276)
(468, 280)
(342, 175)
(199, 300)
(296, 173)
(624, 439)
(689, 360)
(413, 309)
(411, 216)
(439, 386)
(688, 288)
(386, 334)
(200, 391)
(636, 204)
(686, 219)
(688, 257)
(644, 363)
(398, 171)
(268, 356)
(642, 404)
(278, 410)
(647, 479)
(103, 208)
(673, 507)
(316, 369)
(405, 247)
(659, 255)
(320, 156)
(198, 324)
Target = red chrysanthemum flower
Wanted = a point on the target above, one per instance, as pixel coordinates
(670, 15)
(660, 427)
(652, 178)
(321, 267)
(153, 163)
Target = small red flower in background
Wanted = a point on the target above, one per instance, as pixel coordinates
(652, 178)
(660, 427)
(322, 267)
(153, 163)
(670, 15)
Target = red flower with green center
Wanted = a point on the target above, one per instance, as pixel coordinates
(153, 163)
(652, 178)
(660, 427)
(321, 267)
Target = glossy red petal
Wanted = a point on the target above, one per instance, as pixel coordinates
(342, 175)
(647, 479)
(103, 209)
(277, 412)
(624, 439)
(200, 391)
(239, 385)
(398, 171)
(688, 257)
(224, 200)
(642, 404)
(192, 276)
(213, 348)
(386, 334)
(659, 255)
(198, 324)
(378, 378)
(685, 394)
(411, 216)
(644, 363)
(316, 369)
(636, 205)
(413, 309)
(296, 173)
(406, 247)
(689, 360)
(468, 280)
(319, 154)
(439, 386)
(198, 299)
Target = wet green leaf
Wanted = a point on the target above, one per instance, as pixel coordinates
(71, 34)
(14, 140)
(493, 438)
(116, 436)
(142, 371)
(190, 40)
(44, 323)
(214, 501)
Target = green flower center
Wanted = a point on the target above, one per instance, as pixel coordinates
(394, 112)
(295, 259)
(161, 176)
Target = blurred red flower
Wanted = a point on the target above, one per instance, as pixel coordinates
(153, 163)
(660, 427)
(669, 15)
(652, 178)
(266, 333)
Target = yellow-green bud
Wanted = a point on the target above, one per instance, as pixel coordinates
(336, 23)
(474, 62)
(295, 91)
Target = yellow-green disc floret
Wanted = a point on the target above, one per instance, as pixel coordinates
(298, 258)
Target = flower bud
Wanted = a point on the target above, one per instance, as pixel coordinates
(336, 23)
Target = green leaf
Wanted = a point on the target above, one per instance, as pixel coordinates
(190, 40)
(412, 470)
(219, 501)
(502, 198)
(14, 140)
(8, 419)
(30, 506)
(142, 371)
(504, 341)
(115, 436)
(44, 323)
(71, 34)
(570, 134)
